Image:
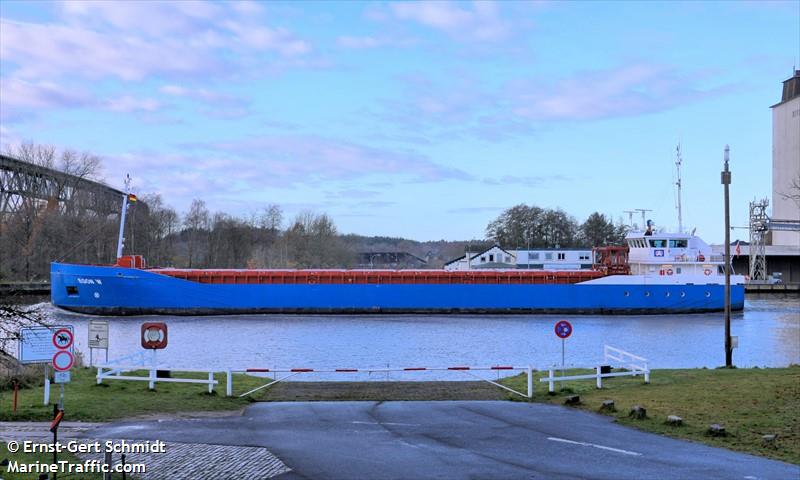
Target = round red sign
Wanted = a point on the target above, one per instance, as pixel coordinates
(563, 329)
(62, 361)
(63, 338)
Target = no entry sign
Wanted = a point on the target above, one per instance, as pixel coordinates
(62, 361)
(563, 329)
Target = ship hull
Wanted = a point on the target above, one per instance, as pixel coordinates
(117, 290)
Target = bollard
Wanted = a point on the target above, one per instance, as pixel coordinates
(107, 460)
(599, 378)
(152, 384)
(646, 374)
(551, 383)
(229, 384)
(210, 382)
(530, 381)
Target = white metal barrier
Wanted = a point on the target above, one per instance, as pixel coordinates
(114, 371)
(287, 373)
(634, 364)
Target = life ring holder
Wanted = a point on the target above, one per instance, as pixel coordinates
(669, 271)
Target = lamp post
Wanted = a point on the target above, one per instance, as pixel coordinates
(726, 181)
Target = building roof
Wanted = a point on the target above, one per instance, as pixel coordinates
(791, 89)
(462, 257)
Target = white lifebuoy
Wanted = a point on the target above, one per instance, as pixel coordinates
(707, 271)
(669, 272)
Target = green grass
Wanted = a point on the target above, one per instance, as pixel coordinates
(749, 403)
(84, 400)
(28, 458)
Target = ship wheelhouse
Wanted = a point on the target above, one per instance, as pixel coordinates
(671, 254)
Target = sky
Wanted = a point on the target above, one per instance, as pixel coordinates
(415, 119)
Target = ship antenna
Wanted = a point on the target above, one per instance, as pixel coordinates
(630, 216)
(120, 240)
(678, 161)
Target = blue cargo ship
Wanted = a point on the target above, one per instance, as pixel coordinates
(658, 273)
(655, 272)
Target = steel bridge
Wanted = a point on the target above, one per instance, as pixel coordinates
(23, 184)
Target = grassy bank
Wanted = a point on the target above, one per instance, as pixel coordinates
(749, 403)
(84, 400)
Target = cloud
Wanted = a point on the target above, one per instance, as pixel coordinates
(367, 42)
(308, 158)
(134, 40)
(527, 181)
(226, 172)
(630, 90)
(129, 104)
(218, 104)
(482, 22)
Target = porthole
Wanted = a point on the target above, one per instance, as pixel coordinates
(666, 294)
(683, 294)
(646, 294)
(708, 294)
(627, 294)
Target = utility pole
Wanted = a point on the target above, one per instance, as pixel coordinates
(726, 181)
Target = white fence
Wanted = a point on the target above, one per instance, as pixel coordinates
(634, 365)
(114, 371)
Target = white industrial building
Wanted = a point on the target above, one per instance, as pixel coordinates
(786, 160)
(543, 259)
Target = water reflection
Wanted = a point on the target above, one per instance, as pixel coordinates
(768, 331)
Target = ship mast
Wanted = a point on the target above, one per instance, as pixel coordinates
(121, 239)
(678, 161)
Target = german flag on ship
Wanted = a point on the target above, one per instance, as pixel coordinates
(132, 198)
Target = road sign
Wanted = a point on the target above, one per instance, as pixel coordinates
(62, 377)
(63, 361)
(36, 344)
(154, 335)
(98, 334)
(563, 329)
(63, 338)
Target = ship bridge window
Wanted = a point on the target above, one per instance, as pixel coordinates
(72, 290)
(682, 243)
(658, 243)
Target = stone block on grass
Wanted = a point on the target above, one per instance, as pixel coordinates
(572, 400)
(638, 412)
(674, 420)
(608, 406)
(717, 430)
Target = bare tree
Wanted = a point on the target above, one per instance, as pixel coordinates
(196, 223)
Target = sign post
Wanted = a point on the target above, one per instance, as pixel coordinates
(63, 339)
(98, 338)
(37, 345)
(563, 330)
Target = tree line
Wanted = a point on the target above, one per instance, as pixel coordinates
(38, 232)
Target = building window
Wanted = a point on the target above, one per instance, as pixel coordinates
(483, 259)
(491, 257)
(562, 256)
(533, 256)
(508, 259)
(548, 256)
(583, 257)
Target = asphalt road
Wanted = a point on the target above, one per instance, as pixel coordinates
(458, 440)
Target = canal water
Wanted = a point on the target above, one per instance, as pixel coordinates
(768, 332)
